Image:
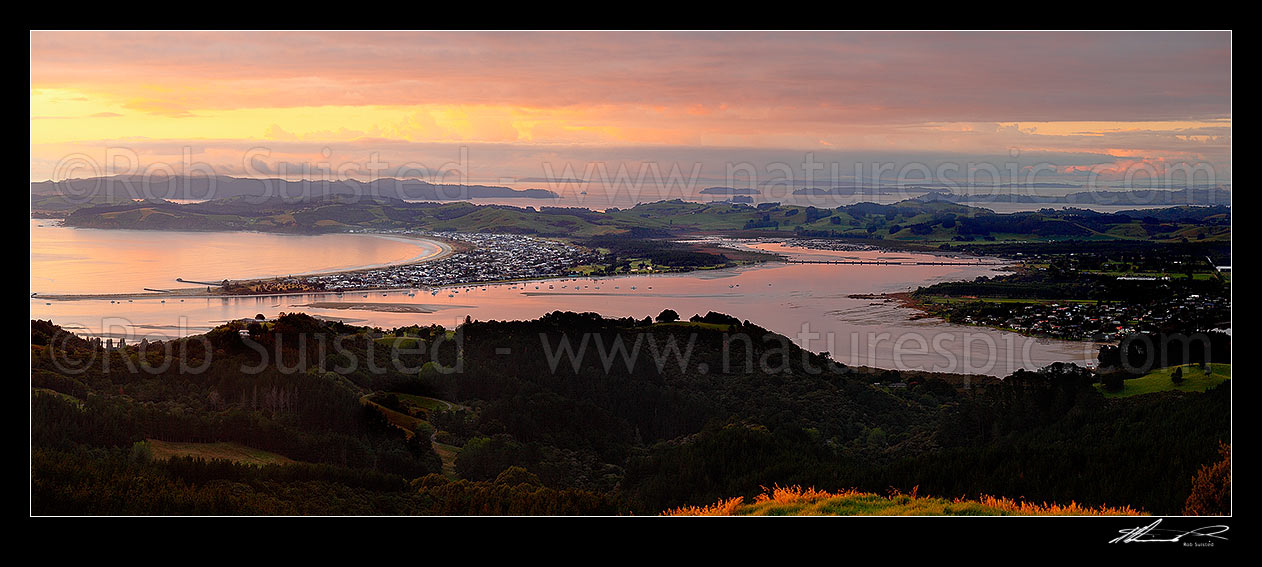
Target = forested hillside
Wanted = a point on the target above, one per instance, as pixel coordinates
(650, 416)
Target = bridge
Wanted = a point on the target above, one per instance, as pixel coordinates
(896, 263)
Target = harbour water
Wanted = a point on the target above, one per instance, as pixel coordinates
(812, 304)
(67, 260)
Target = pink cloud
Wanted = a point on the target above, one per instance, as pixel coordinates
(864, 76)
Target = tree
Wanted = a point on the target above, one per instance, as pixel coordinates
(1211, 489)
(515, 475)
(141, 452)
(1113, 381)
(1177, 375)
(667, 316)
(876, 438)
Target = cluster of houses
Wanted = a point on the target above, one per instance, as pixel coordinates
(492, 257)
(826, 244)
(1107, 321)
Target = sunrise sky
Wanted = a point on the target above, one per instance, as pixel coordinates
(1102, 102)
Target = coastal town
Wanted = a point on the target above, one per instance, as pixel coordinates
(1102, 295)
(1096, 321)
(484, 258)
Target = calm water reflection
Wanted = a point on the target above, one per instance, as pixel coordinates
(806, 302)
(78, 260)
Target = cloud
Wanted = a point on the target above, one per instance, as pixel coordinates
(639, 96)
(857, 76)
(93, 115)
(275, 132)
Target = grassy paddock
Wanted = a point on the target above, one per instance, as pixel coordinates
(415, 425)
(1194, 380)
(163, 450)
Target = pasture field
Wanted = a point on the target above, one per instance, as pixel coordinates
(1194, 380)
(163, 450)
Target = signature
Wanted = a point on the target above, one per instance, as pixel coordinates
(1151, 533)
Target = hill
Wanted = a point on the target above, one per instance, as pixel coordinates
(1146, 197)
(589, 414)
(934, 224)
(127, 187)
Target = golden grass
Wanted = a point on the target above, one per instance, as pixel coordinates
(721, 508)
(798, 501)
(1072, 509)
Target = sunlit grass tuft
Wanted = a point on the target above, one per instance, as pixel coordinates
(798, 501)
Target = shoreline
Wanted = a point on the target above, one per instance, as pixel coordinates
(446, 249)
(905, 299)
(199, 293)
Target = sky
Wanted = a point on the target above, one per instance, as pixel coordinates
(819, 107)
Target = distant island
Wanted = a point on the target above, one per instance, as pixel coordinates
(1145, 197)
(729, 191)
(120, 187)
(846, 190)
